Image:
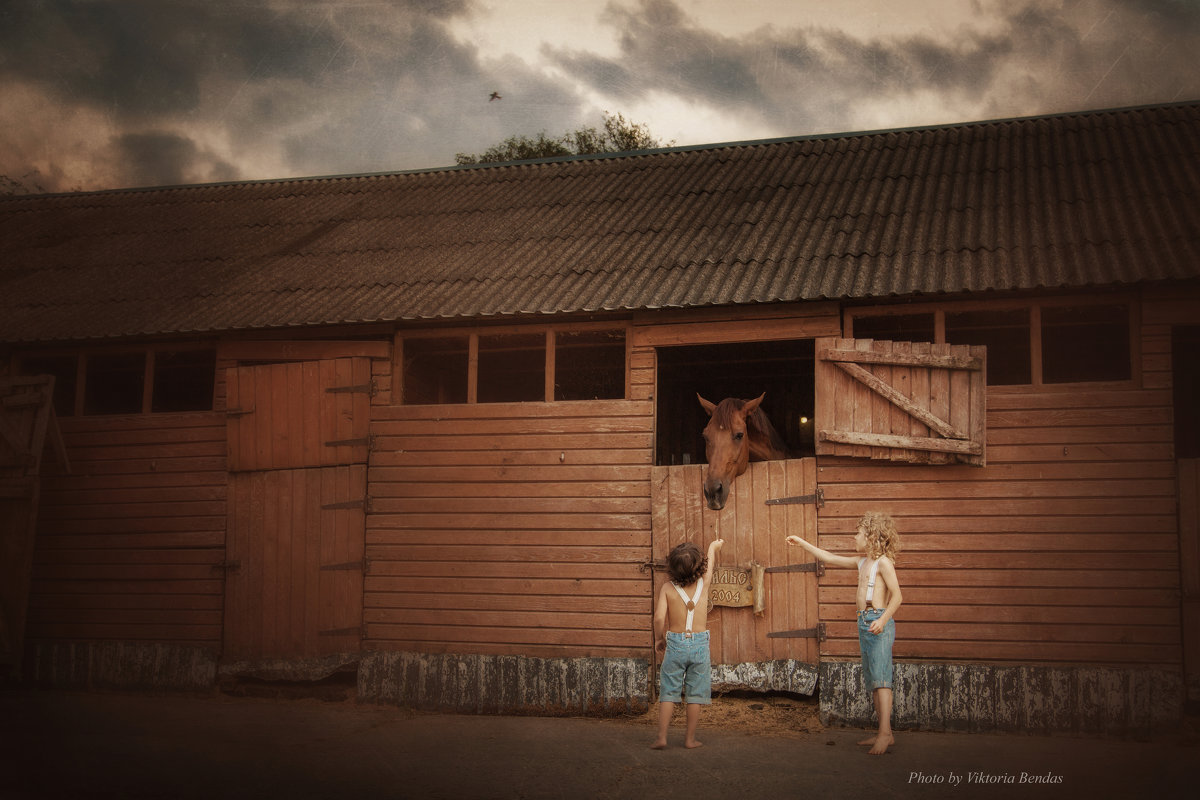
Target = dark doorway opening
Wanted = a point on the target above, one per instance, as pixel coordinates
(783, 370)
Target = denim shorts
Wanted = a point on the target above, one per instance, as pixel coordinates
(686, 671)
(876, 650)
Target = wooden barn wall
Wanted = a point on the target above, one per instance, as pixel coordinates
(1063, 549)
(509, 528)
(130, 544)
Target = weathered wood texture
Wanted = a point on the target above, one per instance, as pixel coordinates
(754, 532)
(1026, 698)
(26, 416)
(130, 544)
(510, 528)
(902, 401)
(1063, 549)
(505, 684)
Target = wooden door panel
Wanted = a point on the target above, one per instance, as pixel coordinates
(294, 558)
(754, 532)
(300, 414)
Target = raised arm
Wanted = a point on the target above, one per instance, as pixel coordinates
(713, 549)
(823, 555)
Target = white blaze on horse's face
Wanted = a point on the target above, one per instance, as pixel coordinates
(726, 446)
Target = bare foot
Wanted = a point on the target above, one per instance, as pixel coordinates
(659, 746)
(869, 740)
(693, 745)
(881, 744)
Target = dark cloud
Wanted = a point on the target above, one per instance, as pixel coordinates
(167, 159)
(110, 93)
(1031, 58)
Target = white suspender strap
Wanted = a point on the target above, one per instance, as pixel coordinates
(691, 604)
(871, 583)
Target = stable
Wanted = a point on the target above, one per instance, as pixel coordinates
(433, 432)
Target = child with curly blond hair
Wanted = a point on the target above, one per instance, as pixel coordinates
(879, 543)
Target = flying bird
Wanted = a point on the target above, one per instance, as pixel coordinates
(495, 96)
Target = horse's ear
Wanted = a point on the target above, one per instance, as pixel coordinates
(753, 404)
(709, 407)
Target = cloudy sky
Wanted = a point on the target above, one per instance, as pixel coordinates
(98, 94)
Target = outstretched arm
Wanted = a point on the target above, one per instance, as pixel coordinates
(823, 555)
(713, 549)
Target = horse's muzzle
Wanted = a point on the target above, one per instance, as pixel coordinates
(715, 494)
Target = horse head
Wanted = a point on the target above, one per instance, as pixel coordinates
(737, 433)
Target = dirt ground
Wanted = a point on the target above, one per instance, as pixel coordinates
(107, 745)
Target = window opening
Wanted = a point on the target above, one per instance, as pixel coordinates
(1085, 343)
(66, 378)
(435, 370)
(183, 380)
(512, 367)
(1185, 365)
(589, 365)
(784, 370)
(1004, 332)
(114, 383)
(897, 327)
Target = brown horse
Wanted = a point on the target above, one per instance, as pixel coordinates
(737, 433)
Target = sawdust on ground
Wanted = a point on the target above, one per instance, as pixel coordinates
(773, 715)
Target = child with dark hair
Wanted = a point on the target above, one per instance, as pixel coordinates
(681, 638)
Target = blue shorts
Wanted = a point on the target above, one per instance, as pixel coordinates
(876, 650)
(686, 671)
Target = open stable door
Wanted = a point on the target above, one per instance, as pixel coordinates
(901, 401)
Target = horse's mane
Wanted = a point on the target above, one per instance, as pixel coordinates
(756, 421)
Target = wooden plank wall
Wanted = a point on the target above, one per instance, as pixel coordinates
(129, 545)
(1063, 549)
(510, 528)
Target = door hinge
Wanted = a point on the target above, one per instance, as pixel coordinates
(228, 566)
(366, 441)
(347, 504)
(362, 388)
(360, 632)
(817, 633)
(650, 566)
(347, 565)
(804, 499)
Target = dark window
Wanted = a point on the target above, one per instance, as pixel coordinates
(1085, 343)
(1185, 367)
(512, 367)
(589, 365)
(183, 380)
(63, 368)
(1006, 336)
(896, 327)
(435, 370)
(114, 383)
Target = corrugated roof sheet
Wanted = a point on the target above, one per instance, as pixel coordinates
(1067, 200)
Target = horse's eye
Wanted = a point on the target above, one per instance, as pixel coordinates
(737, 437)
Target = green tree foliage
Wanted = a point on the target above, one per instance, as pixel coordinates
(618, 136)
